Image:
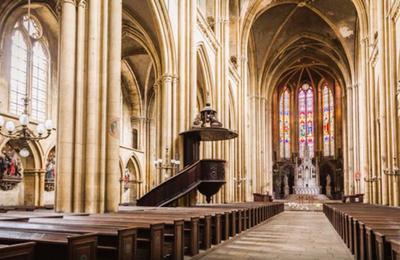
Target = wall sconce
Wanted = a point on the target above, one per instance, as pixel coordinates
(239, 181)
(394, 172)
(373, 179)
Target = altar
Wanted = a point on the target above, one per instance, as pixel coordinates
(306, 176)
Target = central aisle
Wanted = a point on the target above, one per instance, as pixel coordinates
(290, 235)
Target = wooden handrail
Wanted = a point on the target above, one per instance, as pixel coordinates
(208, 171)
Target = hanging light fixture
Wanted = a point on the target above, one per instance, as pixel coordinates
(22, 131)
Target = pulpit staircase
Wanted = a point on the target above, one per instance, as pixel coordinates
(205, 175)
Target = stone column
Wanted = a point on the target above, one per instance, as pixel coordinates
(363, 128)
(65, 127)
(166, 122)
(79, 107)
(41, 175)
(350, 143)
(93, 104)
(397, 163)
(269, 149)
(356, 136)
(243, 146)
(158, 152)
(382, 101)
(113, 104)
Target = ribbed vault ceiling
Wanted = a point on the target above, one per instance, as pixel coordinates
(293, 37)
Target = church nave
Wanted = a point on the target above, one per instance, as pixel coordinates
(290, 235)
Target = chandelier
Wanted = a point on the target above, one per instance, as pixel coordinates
(22, 131)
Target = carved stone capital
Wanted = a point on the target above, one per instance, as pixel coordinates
(166, 78)
(156, 87)
(74, 2)
(60, 4)
(82, 3)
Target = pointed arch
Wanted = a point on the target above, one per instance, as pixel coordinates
(204, 74)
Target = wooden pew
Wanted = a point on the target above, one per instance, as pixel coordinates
(209, 222)
(395, 243)
(250, 214)
(217, 217)
(368, 230)
(113, 243)
(150, 237)
(20, 251)
(196, 226)
(173, 229)
(50, 244)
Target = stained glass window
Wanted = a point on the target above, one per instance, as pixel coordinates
(306, 119)
(328, 121)
(284, 124)
(29, 68)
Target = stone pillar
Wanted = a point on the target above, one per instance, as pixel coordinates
(243, 146)
(397, 163)
(350, 148)
(79, 107)
(93, 104)
(166, 122)
(158, 152)
(113, 104)
(382, 102)
(65, 128)
(363, 123)
(41, 177)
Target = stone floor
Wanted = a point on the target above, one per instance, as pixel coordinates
(290, 235)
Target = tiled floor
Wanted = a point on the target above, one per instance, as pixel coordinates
(290, 235)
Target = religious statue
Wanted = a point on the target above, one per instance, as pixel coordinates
(328, 186)
(197, 121)
(286, 185)
(51, 167)
(50, 173)
(126, 178)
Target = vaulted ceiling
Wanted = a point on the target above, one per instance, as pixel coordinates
(313, 35)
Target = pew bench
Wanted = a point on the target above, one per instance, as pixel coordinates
(173, 229)
(395, 243)
(198, 226)
(68, 246)
(113, 243)
(19, 251)
(150, 237)
(370, 231)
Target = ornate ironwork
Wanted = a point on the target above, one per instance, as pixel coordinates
(22, 131)
(207, 118)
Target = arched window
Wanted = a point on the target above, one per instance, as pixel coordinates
(328, 121)
(306, 119)
(29, 68)
(284, 124)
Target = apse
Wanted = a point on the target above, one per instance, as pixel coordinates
(301, 58)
